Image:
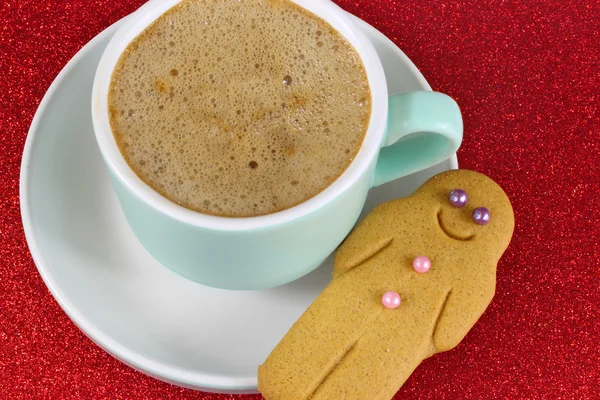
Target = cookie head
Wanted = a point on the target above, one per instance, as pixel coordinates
(469, 207)
(457, 212)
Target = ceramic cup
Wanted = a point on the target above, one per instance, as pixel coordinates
(407, 132)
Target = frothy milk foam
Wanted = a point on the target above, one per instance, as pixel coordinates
(239, 108)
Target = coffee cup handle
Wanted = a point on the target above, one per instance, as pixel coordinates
(424, 128)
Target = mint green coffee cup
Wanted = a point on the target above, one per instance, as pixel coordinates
(407, 132)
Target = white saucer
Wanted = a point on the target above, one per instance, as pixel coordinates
(127, 303)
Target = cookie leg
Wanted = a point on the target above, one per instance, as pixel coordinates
(379, 363)
(316, 343)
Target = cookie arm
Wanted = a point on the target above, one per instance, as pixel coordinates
(369, 237)
(462, 308)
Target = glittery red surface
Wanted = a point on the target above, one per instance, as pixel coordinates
(526, 75)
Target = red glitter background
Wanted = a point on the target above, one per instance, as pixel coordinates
(526, 75)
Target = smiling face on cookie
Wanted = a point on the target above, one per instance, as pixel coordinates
(466, 206)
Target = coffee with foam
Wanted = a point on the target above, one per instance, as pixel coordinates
(239, 108)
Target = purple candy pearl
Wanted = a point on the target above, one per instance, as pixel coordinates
(458, 198)
(481, 215)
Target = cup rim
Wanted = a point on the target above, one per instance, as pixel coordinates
(373, 139)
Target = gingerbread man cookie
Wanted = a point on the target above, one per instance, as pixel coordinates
(410, 281)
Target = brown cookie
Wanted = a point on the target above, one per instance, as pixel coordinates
(348, 345)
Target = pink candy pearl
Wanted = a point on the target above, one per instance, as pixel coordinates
(390, 300)
(421, 264)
